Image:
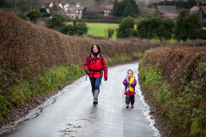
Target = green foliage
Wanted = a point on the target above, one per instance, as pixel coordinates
(44, 12)
(110, 32)
(180, 29)
(119, 7)
(65, 29)
(164, 92)
(24, 5)
(126, 28)
(194, 26)
(151, 77)
(79, 29)
(116, 9)
(199, 71)
(128, 11)
(168, 24)
(4, 4)
(156, 13)
(22, 15)
(203, 34)
(155, 28)
(4, 105)
(33, 15)
(133, 3)
(188, 27)
(182, 104)
(56, 21)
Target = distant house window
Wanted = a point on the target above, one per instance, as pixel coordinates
(77, 11)
(107, 11)
(80, 11)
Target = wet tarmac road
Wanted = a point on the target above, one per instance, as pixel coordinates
(72, 114)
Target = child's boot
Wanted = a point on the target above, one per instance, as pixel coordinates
(132, 105)
(96, 93)
(127, 105)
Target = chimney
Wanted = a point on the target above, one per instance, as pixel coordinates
(77, 5)
(198, 5)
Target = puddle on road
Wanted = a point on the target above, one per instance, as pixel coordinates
(73, 127)
(78, 127)
(84, 125)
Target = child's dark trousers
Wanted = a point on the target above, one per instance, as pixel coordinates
(130, 99)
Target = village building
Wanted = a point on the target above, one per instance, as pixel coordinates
(46, 6)
(199, 9)
(66, 6)
(106, 13)
(107, 10)
(168, 11)
(195, 9)
(75, 12)
(53, 6)
(72, 12)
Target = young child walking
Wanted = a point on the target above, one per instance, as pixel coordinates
(130, 83)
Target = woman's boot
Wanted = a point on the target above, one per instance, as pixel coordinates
(96, 93)
(93, 93)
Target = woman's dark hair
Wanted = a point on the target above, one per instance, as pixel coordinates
(99, 48)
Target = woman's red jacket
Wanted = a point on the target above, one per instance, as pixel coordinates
(96, 67)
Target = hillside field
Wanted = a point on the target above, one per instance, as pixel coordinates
(99, 29)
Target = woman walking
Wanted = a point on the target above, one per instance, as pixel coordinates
(94, 66)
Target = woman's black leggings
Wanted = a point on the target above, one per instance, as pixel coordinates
(130, 99)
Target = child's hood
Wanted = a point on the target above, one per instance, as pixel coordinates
(127, 78)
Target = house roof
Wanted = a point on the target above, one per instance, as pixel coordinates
(109, 7)
(195, 9)
(167, 9)
(46, 4)
(203, 9)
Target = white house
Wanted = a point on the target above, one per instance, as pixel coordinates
(107, 9)
(66, 7)
(75, 12)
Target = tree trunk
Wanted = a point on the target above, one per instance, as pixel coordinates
(31, 3)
